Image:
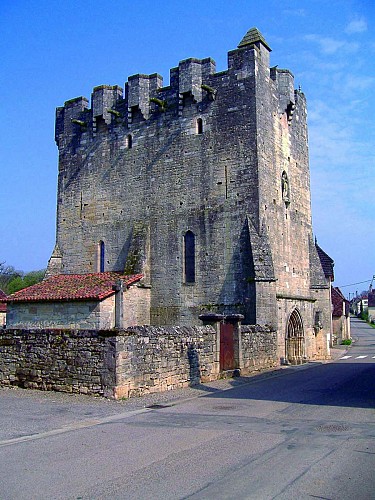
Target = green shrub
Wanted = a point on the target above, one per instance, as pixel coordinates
(346, 342)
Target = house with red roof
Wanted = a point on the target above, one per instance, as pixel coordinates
(3, 309)
(98, 301)
(340, 315)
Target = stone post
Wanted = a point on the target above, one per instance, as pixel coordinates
(214, 320)
(119, 304)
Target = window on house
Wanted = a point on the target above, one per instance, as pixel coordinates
(199, 126)
(189, 250)
(101, 256)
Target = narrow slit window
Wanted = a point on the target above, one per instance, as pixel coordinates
(199, 126)
(189, 247)
(101, 256)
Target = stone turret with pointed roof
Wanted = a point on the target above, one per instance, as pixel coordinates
(252, 46)
(253, 37)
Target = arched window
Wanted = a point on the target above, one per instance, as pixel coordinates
(189, 251)
(199, 126)
(101, 256)
(129, 141)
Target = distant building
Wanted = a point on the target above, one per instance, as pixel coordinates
(3, 309)
(340, 315)
(371, 306)
(360, 305)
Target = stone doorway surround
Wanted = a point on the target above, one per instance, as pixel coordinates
(295, 339)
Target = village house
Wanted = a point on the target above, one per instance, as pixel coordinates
(371, 306)
(340, 316)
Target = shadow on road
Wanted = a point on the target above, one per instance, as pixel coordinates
(335, 384)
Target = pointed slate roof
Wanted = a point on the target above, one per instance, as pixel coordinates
(70, 287)
(253, 36)
(326, 261)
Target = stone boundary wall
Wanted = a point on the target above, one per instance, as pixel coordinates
(132, 362)
(154, 359)
(259, 348)
(81, 361)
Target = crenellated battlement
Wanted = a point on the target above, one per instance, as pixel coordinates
(192, 82)
(143, 97)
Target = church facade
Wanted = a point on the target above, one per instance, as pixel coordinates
(203, 187)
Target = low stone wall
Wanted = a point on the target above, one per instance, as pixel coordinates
(60, 360)
(135, 361)
(154, 359)
(259, 348)
(113, 364)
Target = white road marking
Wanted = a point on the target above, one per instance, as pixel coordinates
(361, 357)
(345, 357)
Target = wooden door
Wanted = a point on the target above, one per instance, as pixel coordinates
(226, 347)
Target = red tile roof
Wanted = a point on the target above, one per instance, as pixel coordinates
(67, 287)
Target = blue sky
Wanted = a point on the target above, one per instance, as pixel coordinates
(53, 51)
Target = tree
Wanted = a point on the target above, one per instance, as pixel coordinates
(7, 274)
(11, 280)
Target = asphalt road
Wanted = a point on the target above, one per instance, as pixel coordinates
(302, 432)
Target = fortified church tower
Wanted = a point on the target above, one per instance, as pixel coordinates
(202, 186)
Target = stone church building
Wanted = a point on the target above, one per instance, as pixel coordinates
(203, 188)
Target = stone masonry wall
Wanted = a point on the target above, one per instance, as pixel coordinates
(259, 348)
(59, 360)
(74, 314)
(116, 364)
(155, 359)
(136, 361)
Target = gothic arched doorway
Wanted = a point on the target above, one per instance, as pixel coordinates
(295, 339)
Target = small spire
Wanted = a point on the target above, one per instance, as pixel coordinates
(253, 36)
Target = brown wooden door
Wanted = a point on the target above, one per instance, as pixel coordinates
(226, 346)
